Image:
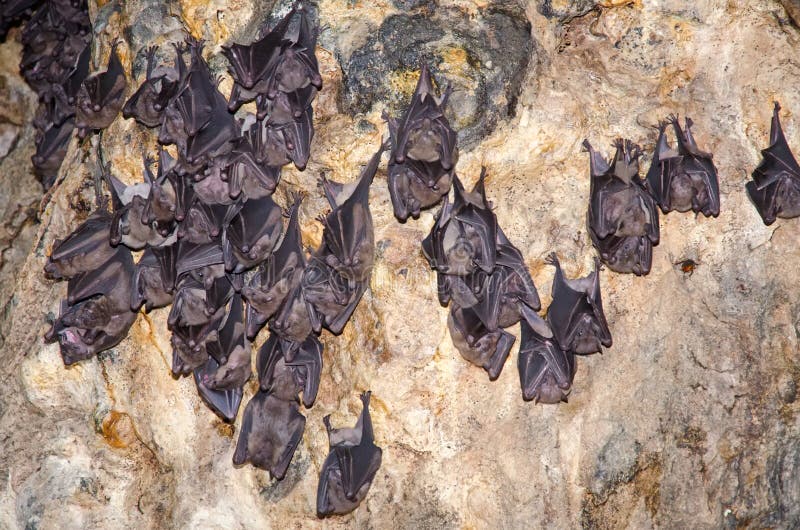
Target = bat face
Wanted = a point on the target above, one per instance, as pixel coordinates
(546, 371)
(478, 345)
(775, 188)
(271, 430)
(252, 234)
(424, 152)
(147, 104)
(350, 467)
(101, 96)
(685, 179)
(622, 219)
(576, 313)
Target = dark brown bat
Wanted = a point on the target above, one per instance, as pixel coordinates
(277, 276)
(685, 179)
(465, 234)
(349, 238)
(231, 351)
(162, 204)
(51, 148)
(295, 67)
(203, 262)
(297, 136)
(351, 465)
(576, 312)
(622, 219)
(545, 370)
(775, 188)
(476, 343)
(248, 177)
(271, 430)
(424, 152)
(147, 104)
(333, 297)
(85, 249)
(151, 283)
(223, 402)
(285, 379)
(130, 225)
(293, 322)
(101, 96)
(252, 234)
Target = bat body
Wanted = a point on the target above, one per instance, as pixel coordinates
(775, 188)
(147, 104)
(252, 234)
(546, 371)
(622, 219)
(101, 96)
(350, 467)
(576, 314)
(476, 343)
(285, 379)
(424, 152)
(683, 179)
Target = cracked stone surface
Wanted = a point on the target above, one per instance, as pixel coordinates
(691, 419)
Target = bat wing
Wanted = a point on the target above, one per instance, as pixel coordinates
(307, 367)
(545, 370)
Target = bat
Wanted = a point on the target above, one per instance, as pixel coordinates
(251, 234)
(424, 152)
(248, 177)
(85, 249)
(348, 236)
(775, 188)
(297, 136)
(203, 222)
(464, 236)
(576, 313)
(231, 351)
(101, 96)
(147, 104)
(51, 148)
(223, 402)
(203, 262)
(212, 186)
(129, 224)
(685, 179)
(285, 379)
(162, 204)
(349, 470)
(332, 296)
(622, 219)
(295, 67)
(271, 431)
(476, 343)
(293, 321)
(278, 275)
(151, 282)
(546, 371)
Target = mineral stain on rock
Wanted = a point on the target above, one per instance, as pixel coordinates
(484, 59)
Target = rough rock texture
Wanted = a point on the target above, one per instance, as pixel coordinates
(689, 420)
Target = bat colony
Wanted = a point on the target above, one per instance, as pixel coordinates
(215, 246)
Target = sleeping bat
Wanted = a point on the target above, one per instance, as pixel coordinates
(351, 465)
(271, 430)
(622, 219)
(424, 133)
(285, 379)
(465, 234)
(476, 343)
(269, 144)
(51, 148)
(332, 296)
(147, 104)
(424, 152)
(96, 315)
(203, 262)
(775, 188)
(545, 370)
(276, 276)
(203, 222)
(297, 136)
(153, 285)
(248, 177)
(231, 351)
(196, 305)
(129, 224)
(162, 204)
(223, 402)
(249, 63)
(212, 186)
(293, 321)
(685, 179)
(576, 312)
(295, 67)
(85, 249)
(101, 96)
(348, 237)
(251, 234)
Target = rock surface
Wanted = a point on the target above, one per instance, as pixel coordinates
(689, 420)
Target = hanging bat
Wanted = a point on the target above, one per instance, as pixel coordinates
(424, 133)
(251, 234)
(162, 204)
(212, 186)
(85, 249)
(297, 136)
(51, 148)
(465, 233)
(332, 296)
(271, 430)
(231, 350)
(622, 219)
(685, 179)
(153, 286)
(349, 237)
(101, 96)
(576, 312)
(203, 262)
(147, 104)
(415, 186)
(277, 276)
(249, 63)
(475, 343)
(285, 379)
(775, 188)
(224, 401)
(203, 222)
(351, 465)
(545, 370)
(190, 343)
(129, 224)
(292, 324)
(246, 176)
